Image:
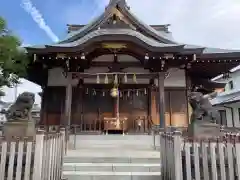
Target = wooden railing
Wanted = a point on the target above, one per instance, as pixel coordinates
(28, 158)
(183, 158)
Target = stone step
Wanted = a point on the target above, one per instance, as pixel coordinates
(114, 139)
(113, 152)
(112, 157)
(96, 175)
(83, 145)
(90, 159)
(114, 167)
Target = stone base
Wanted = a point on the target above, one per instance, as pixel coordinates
(19, 129)
(201, 129)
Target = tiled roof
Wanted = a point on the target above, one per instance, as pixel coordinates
(152, 37)
(114, 32)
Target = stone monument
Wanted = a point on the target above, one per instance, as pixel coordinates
(204, 116)
(19, 120)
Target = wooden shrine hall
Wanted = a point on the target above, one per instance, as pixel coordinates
(118, 73)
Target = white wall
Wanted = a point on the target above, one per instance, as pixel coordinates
(235, 78)
(176, 78)
(236, 117)
(229, 117)
(230, 95)
(56, 77)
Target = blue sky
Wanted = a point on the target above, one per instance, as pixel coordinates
(212, 23)
(56, 13)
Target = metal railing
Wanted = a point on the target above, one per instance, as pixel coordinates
(73, 132)
(39, 157)
(135, 124)
(184, 158)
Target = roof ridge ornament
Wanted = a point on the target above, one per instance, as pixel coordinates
(120, 2)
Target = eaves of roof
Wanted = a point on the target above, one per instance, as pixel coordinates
(107, 34)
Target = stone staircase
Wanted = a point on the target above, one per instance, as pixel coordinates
(100, 157)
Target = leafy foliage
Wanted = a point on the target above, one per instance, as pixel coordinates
(13, 59)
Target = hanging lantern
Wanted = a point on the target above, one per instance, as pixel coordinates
(125, 78)
(134, 78)
(67, 64)
(128, 94)
(120, 93)
(87, 91)
(82, 56)
(103, 93)
(114, 92)
(115, 79)
(94, 92)
(106, 79)
(146, 56)
(98, 79)
(137, 93)
(194, 57)
(34, 57)
(145, 91)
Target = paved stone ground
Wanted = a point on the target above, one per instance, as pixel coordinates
(109, 157)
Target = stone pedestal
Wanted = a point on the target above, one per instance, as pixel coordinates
(203, 129)
(19, 129)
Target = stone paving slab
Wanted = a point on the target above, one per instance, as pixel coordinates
(111, 160)
(117, 167)
(143, 138)
(76, 175)
(106, 152)
(82, 141)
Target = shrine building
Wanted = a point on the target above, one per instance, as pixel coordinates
(118, 73)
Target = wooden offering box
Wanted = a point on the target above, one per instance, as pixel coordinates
(115, 124)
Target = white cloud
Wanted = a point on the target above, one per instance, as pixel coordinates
(38, 18)
(213, 23)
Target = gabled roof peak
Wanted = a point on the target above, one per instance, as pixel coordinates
(119, 2)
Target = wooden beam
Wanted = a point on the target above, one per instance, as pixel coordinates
(121, 86)
(120, 64)
(121, 75)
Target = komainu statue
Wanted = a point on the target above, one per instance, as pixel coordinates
(204, 116)
(19, 120)
(21, 109)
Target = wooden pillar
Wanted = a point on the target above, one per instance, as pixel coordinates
(161, 77)
(80, 103)
(68, 100)
(188, 90)
(149, 92)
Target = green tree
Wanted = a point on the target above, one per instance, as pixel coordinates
(13, 58)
